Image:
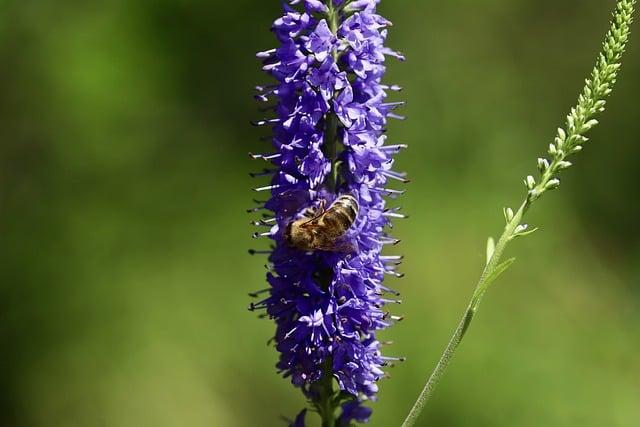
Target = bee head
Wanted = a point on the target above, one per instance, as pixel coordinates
(298, 237)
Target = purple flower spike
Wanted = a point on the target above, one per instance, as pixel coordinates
(329, 145)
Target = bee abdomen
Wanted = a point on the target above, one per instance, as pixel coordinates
(349, 205)
(345, 210)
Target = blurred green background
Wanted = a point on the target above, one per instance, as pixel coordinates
(124, 132)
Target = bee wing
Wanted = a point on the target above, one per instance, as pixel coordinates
(312, 222)
(343, 245)
(314, 216)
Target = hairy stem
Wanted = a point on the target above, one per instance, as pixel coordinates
(568, 141)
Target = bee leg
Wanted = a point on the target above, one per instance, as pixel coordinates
(321, 207)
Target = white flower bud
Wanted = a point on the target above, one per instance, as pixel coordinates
(530, 182)
(543, 165)
(590, 124)
(564, 165)
(562, 134)
(508, 214)
(552, 184)
(571, 121)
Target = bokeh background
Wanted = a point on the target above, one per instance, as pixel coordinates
(124, 133)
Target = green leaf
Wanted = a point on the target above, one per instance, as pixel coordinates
(501, 268)
(526, 233)
(482, 289)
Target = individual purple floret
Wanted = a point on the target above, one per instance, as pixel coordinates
(328, 134)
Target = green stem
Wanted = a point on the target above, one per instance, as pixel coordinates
(330, 146)
(326, 402)
(467, 318)
(326, 396)
(330, 149)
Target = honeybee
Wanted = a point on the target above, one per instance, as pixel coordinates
(325, 230)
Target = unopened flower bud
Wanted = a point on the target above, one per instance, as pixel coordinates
(552, 184)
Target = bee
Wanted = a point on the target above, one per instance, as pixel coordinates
(324, 230)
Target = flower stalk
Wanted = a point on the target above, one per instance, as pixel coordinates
(329, 140)
(326, 404)
(569, 141)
